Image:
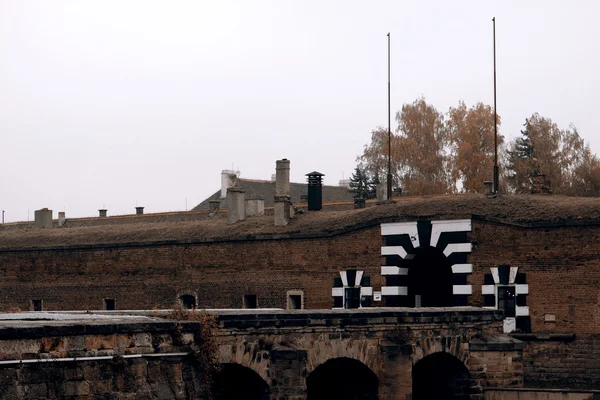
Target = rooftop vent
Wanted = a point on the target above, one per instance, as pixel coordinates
(315, 191)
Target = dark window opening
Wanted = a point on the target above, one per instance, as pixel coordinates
(36, 305)
(295, 302)
(188, 301)
(109, 304)
(506, 300)
(342, 379)
(338, 302)
(250, 301)
(352, 297)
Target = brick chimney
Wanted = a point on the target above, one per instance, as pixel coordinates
(236, 210)
(61, 218)
(255, 206)
(282, 197)
(43, 218)
(228, 178)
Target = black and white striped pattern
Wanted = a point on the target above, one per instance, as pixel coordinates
(351, 279)
(448, 236)
(505, 275)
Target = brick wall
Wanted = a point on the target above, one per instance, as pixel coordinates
(561, 265)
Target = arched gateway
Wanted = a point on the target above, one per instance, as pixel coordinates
(440, 376)
(342, 379)
(236, 382)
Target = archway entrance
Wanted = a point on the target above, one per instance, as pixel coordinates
(236, 382)
(342, 379)
(429, 278)
(440, 376)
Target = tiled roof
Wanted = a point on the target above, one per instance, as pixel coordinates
(266, 190)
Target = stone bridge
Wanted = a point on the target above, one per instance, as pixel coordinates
(392, 353)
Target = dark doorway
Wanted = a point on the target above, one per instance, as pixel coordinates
(342, 379)
(429, 278)
(235, 382)
(440, 376)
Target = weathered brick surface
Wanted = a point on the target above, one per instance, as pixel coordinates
(563, 364)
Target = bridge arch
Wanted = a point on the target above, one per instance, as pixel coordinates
(342, 379)
(359, 350)
(440, 376)
(237, 382)
(247, 354)
(453, 345)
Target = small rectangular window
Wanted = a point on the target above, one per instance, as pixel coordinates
(109, 304)
(250, 301)
(506, 300)
(295, 302)
(36, 305)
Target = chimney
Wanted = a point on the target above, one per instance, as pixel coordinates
(228, 178)
(139, 210)
(102, 212)
(315, 191)
(489, 188)
(214, 205)
(282, 192)
(255, 206)
(61, 218)
(236, 210)
(43, 218)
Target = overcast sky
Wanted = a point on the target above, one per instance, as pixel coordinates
(118, 103)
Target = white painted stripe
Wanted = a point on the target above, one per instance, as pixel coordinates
(495, 275)
(358, 278)
(344, 278)
(393, 251)
(522, 311)
(366, 291)
(462, 289)
(522, 289)
(402, 228)
(439, 227)
(488, 289)
(337, 292)
(394, 291)
(392, 270)
(513, 274)
(462, 268)
(457, 248)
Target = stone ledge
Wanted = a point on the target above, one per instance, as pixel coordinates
(496, 343)
(544, 337)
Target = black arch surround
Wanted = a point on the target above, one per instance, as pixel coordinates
(236, 382)
(440, 376)
(430, 276)
(342, 379)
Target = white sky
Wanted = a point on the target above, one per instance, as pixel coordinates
(118, 103)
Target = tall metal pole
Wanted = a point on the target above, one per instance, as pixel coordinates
(389, 171)
(496, 170)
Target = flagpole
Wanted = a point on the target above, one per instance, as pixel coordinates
(496, 169)
(389, 171)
